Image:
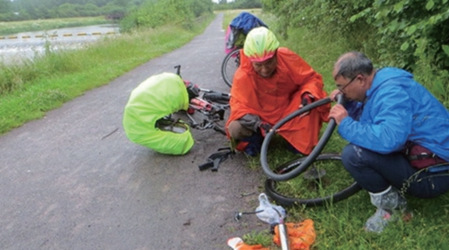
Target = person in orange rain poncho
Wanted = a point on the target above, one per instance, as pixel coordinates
(270, 83)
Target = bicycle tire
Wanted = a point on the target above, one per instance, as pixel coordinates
(229, 65)
(348, 188)
(315, 152)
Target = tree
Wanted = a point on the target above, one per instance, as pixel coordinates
(5, 6)
(40, 9)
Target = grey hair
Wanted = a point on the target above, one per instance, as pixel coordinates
(353, 63)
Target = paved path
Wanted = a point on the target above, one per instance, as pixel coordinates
(72, 180)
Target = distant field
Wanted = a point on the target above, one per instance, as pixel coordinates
(8, 28)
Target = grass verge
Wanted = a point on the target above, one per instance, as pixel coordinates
(30, 90)
(340, 225)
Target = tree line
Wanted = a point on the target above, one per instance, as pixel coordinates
(238, 4)
(411, 34)
(156, 13)
(18, 10)
(153, 14)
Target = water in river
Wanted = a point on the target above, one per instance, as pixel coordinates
(14, 48)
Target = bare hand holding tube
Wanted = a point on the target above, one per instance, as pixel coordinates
(334, 94)
(338, 111)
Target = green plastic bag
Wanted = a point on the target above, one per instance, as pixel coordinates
(155, 98)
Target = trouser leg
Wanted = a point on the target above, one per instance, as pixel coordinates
(247, 140)
(376, 172)
(237, 131)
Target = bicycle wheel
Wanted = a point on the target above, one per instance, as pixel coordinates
(325, 181)
(230, 64)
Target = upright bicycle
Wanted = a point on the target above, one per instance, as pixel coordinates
(235, 38)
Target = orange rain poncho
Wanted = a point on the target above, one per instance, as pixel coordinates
(274, 98)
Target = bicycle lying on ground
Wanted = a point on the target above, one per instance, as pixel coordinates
(324, 179)
(212, 106)
(153, 114)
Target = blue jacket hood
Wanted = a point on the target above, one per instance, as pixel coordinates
(388, 74)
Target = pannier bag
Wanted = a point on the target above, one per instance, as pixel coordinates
(420, 157)
(151, 101)
(239, 28)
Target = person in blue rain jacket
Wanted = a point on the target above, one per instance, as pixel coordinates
(387, 111)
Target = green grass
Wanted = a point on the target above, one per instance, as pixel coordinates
(8, 28)
(340, 225)
(28, 91)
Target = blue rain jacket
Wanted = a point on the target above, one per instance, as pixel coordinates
(397, 109)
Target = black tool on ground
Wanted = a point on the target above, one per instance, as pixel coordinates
(214, 160)
(238, 215)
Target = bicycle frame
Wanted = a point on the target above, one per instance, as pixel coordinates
(213, 113)
(211, 104)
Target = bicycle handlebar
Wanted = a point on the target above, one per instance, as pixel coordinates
(214, 96)
(315, 152)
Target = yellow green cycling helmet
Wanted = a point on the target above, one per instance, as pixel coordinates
(260, 44)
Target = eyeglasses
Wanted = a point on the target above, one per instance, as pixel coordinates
(347, 84)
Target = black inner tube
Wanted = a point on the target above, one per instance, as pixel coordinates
(312, 156)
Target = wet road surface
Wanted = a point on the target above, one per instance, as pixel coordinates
(72, 180)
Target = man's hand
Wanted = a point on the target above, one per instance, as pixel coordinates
(338, 113)
(334, 94)
(264, 128)
(306, 99)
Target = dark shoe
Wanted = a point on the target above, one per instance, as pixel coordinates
(252, 150)
(254, 144)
